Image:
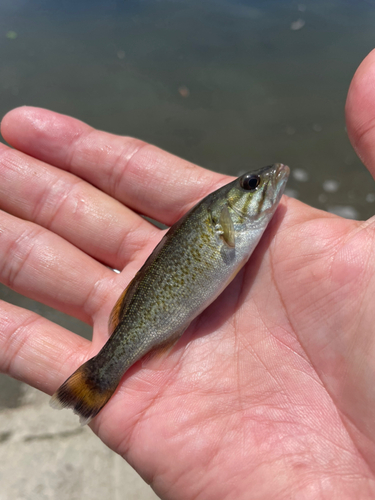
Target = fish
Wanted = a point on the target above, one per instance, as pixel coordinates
(191, 266)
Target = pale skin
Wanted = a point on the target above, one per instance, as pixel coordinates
(270, 394)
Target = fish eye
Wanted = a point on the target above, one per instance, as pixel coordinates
(250, 182)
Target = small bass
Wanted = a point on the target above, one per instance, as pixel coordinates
(194, 262)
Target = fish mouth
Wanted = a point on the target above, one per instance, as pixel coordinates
(275, 188)
(280, 178)
(282, 172)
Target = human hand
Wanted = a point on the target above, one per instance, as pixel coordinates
(270, 393)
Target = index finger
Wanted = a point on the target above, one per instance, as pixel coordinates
(142, 176)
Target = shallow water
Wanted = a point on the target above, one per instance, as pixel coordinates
(226, 84)
(229, 85)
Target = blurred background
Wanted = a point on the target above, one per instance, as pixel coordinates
(226, 84)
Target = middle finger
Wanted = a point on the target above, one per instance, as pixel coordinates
(72, 208)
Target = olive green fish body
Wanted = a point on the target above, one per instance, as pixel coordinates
(191, 266)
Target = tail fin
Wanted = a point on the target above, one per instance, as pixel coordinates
(83, 393)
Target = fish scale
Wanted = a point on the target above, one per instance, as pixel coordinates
(194, 262)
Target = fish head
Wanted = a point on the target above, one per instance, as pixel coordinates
(254, 196)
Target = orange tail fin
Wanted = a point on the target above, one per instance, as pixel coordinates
(82, 392)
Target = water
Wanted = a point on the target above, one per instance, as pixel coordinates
(225, 84)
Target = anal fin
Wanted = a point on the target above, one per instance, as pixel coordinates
(154, 358)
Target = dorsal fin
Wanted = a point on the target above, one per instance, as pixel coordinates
(116, 313)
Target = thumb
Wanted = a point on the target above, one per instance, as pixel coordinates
(360, 112)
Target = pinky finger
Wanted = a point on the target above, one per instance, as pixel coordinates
(37, 351)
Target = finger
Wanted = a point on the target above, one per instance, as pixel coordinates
(360, 112)
(72, 208)
(145, 178)
(46, 268)
(37, 351)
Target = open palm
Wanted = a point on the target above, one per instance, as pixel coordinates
(270, 394)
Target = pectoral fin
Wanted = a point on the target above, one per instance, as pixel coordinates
(227, 226)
